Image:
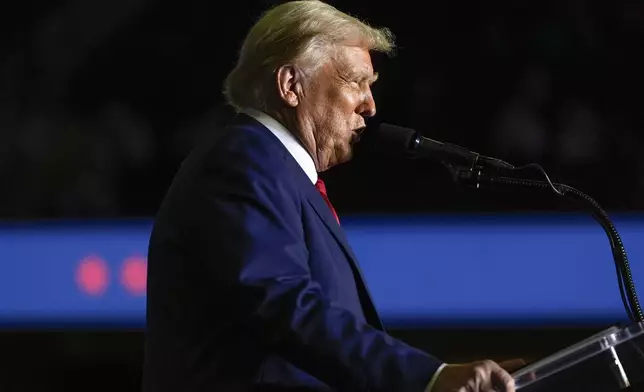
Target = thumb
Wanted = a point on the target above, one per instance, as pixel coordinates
(512, 364)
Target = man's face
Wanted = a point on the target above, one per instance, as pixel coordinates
(337, 100)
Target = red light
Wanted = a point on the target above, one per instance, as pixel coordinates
(134, 274)
(92, 275)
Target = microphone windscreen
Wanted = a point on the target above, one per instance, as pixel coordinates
(396, 136)
(391, 138)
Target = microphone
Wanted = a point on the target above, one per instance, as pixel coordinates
(411, 143)
(470, 167)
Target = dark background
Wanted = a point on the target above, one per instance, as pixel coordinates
(101, 100)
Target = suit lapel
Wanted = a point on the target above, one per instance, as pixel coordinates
(325, 214)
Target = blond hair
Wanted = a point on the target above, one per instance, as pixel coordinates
(299, 33)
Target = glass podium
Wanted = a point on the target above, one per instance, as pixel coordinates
(612, 360)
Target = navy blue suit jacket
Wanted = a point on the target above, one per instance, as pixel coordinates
(252, 284)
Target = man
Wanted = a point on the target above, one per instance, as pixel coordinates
(251, 282)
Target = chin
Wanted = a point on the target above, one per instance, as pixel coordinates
(341, 154)
(347, 156)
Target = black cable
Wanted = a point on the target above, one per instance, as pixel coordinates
(476, 176)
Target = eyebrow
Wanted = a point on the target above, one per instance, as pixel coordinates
(361, 77)
(371, 78)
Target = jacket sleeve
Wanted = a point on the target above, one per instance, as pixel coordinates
(262, 265)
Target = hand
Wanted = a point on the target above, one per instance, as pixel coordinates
(481, 376)
(512, 365)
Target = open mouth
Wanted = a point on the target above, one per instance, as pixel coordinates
(357, 134)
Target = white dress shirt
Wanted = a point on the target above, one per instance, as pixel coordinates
(289, 141)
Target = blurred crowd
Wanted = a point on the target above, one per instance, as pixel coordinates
(100, 100)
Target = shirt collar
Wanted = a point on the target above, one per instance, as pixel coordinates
(289, 141)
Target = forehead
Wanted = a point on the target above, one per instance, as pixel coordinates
(354, 60)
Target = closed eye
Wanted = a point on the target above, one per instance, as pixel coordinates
(362, 80)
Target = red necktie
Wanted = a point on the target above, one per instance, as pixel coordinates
(322, 188)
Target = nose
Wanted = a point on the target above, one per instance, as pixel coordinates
(368, 107)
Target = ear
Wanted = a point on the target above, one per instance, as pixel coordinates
(289, 84)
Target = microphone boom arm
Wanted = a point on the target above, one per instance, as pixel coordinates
(476, 175)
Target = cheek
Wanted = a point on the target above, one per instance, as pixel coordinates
(343, 100)
(351, 101)
(337, 111)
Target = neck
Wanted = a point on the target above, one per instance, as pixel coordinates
(300, 129)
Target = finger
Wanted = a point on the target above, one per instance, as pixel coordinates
(512, 365)
(502, 381)
(485, 374)
(499, 385)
